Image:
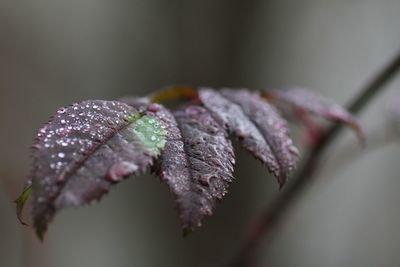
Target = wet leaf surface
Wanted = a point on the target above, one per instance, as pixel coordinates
(199, 167)
(233, 118)
(197, 162)
(88, 147)
(85, 149)
(271, 125)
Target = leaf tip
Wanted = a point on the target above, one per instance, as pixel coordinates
(358, 130)
(20, 202)
(40, 231)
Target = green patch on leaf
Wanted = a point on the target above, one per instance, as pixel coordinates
(134, 117)
(151, 133)
(20, 201)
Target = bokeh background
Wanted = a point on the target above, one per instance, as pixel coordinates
(53, 53)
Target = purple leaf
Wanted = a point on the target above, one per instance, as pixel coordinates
(199, 167)
(197, 161)
(88, 147)
(271, 125)
(314, 103)
(84, 150)
(232, 117)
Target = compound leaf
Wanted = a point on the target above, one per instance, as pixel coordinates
(89, 146)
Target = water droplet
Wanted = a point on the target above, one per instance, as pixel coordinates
(153, 138)
(61, 111)
(61, 155)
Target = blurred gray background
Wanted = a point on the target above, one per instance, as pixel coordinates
(53, 53)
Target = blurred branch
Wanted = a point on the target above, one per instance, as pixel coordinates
(274, 213)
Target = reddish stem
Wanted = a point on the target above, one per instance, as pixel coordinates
(274, 213)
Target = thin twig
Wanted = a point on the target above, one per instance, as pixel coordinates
(278, 208)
